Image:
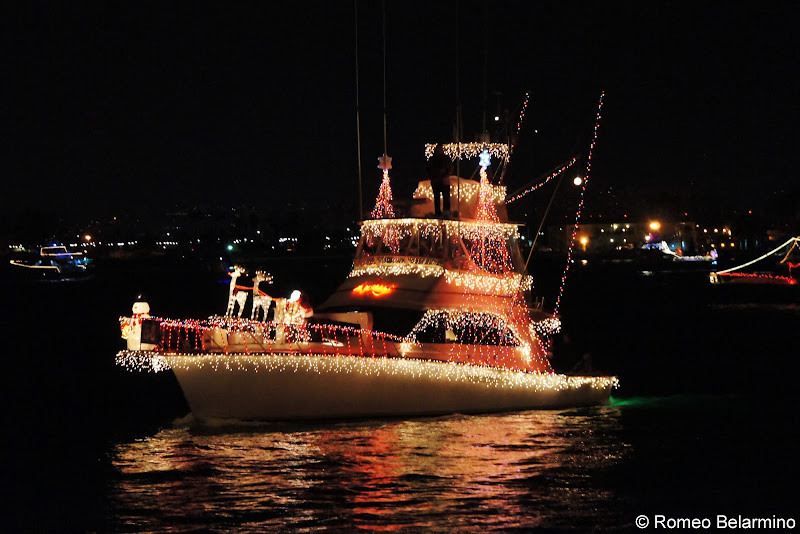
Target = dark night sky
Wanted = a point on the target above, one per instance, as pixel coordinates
(109, 106)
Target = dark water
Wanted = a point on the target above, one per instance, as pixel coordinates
(705, 422)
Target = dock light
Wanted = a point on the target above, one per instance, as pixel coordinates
(577, 181)
(496, 118)
(655, 225)
(87, 237)
(584, 241)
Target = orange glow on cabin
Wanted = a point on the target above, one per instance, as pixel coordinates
(375, 290)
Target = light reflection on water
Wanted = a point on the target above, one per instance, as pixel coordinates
(462, 472)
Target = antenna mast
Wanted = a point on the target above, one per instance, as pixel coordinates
(358, 127)
(485, 132)
(385, 142)
(458, 123)
(383, 204)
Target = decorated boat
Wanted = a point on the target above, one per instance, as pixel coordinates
(434, 318)
(780, 273)
(52, 263)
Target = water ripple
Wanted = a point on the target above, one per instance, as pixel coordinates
(512, 471)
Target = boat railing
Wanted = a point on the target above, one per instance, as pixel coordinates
(425, 266)
(393, 259)
(235, 335)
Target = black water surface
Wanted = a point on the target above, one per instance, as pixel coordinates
(705, 422)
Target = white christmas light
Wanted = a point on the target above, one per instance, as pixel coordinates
(325, 364)
(469, 150)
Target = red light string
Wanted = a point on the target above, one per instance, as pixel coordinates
(383, 204)
(512, 142)
(756, 276)
(540, 184)
(580, 205)
(488, 250)
(519, 123)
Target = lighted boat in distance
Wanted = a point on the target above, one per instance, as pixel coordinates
(431, 320)
(780, 274)
(51, 263)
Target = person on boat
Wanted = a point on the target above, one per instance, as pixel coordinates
(439, 168)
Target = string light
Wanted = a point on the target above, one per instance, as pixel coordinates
(487, 249)
(540, 184)
(519, 123)
(502, 284)
(435, 227)
(383, 204)
(755, 276)
(232, 335)
(580, 205)
(383, 267)
(479, 338)
(490, 284)
(522, 112)
(546, 327)
(793, 240)
(222, 332)
(401, 367)
(468, 190)
(469, 150)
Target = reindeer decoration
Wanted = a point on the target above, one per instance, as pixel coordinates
(235, 296)
(260, 299)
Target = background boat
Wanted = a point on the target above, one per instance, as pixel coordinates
(52, 263)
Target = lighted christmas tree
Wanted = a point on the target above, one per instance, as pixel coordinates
(383, 204)
(488, 248)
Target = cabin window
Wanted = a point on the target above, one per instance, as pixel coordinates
(484, 335)
(473, 329)
(484, 330)
(432, 333)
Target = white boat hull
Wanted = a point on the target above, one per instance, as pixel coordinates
(294, 387)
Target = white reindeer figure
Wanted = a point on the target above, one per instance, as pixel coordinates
(260, 301)
(234, 296)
